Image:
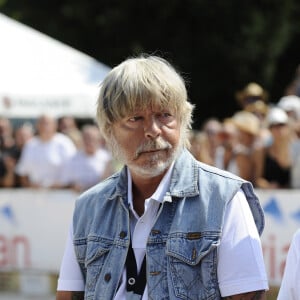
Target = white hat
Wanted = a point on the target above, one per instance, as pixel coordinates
(277, 115)
(290, 103)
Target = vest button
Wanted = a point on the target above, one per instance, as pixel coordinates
(122, 234)
(107, 277)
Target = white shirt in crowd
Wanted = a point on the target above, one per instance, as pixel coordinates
(42, 161)
(290, 285)
(240, 239)
(85, 170)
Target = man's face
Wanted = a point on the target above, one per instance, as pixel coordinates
(46, 126)
(147, 141)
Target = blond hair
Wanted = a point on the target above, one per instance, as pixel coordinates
(140, 83)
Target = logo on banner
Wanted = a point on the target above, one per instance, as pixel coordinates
(296, 215)
(273, 209)
(6, 102)
(7, 213)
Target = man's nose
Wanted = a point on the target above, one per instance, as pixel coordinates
(152, 128)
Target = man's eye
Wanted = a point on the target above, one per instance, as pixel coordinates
(165, 116)
(134, 119)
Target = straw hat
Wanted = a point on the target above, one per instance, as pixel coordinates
(251, 93)
(247, 122)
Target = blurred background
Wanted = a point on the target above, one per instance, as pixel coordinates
(219, 46)
(54, 54)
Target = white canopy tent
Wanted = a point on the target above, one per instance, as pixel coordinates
(41, 75)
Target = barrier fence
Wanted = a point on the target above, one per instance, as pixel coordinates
(34, 225)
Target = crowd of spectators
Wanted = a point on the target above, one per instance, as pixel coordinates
(52, 154)
(260, 143)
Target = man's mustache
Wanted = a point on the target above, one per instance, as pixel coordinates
(153, 145)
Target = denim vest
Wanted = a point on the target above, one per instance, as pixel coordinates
(182, 246)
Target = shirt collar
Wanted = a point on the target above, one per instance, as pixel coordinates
(159, 193)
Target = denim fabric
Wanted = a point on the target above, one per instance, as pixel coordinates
(182, 246)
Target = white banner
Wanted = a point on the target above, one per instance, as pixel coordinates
(282, 215)
(34, 226)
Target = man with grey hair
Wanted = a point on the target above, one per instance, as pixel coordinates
(166, 226)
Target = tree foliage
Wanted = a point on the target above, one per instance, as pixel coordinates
(219, 46)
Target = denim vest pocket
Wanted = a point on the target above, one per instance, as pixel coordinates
(193, 264)
(91, 254)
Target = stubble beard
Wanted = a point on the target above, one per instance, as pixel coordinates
(156, 163)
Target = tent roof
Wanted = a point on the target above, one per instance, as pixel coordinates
(39, 74)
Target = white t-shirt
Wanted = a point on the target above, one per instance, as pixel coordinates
(240, 244)
(85, 170)
(42, 161)
(290, 285)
